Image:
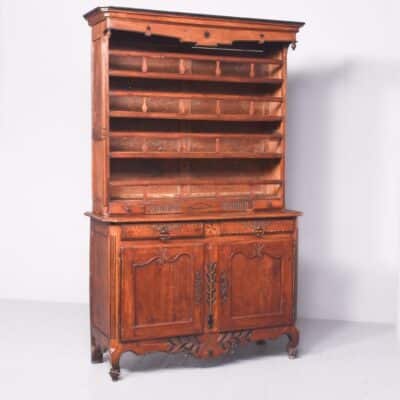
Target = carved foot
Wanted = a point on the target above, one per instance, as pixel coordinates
(114, 373)
(114, 358)
(292, 352)
(261, 342)
(97, 355)
(96, 352)
(294, 337)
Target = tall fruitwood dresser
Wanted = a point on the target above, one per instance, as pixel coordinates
(191, 247)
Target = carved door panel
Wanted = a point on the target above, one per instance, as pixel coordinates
(255, 284)
(161, 290)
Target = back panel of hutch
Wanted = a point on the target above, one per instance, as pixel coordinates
(191, 247)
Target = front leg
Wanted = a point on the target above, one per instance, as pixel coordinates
(115, 356)
(96, 351)
(294, 336)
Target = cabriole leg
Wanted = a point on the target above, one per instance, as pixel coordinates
(115, 369)
(294, 337)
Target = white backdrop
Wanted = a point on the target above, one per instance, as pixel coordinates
(343, 168)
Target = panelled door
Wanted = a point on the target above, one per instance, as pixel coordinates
(161, 290)
(255, 283)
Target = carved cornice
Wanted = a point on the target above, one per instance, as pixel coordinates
(195, 28)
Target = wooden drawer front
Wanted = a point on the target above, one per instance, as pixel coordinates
(257, 227)
(161, 231)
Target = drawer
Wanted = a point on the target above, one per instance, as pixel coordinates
(257, 227)
(162, 231)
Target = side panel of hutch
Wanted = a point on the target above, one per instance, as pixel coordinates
(192, 249)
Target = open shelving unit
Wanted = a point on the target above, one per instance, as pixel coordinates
(191, 128)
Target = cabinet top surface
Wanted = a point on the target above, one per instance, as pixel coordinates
(100, 13)
(205, 217)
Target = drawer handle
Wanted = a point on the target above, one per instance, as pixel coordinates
(164, 234)
(259, 231)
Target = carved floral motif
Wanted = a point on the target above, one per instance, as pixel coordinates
(211, 276)
(186, 344)
(224, 286)
(229, 341)
(162, 258)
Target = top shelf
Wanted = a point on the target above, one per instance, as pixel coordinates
(205, 57)
(201, 67)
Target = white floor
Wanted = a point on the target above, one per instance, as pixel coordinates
(45, 355)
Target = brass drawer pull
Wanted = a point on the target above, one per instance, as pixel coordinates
(259, 231)
(164, 233)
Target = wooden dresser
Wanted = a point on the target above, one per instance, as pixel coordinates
(191, 247)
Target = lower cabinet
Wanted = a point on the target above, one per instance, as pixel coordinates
(199, 295)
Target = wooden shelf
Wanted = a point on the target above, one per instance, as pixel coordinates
(191, 77)
(147, 134)
(199, 67)
(189, 95)
(194, 146)
(207, 117)
(177, 105)
(193, 56)
(133, 154)
(125, 180)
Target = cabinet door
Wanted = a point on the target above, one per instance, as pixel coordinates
(255, 283)
(161, 290)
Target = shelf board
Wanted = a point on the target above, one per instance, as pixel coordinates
(193, 56)
(203, 117)
(191, 77)
(190, 95)
(127, 180)
(198, 135)
(188, 155)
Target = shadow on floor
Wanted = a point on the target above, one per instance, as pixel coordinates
(317, 336)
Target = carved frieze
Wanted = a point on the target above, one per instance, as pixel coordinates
(229, 341)
(186, 344)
